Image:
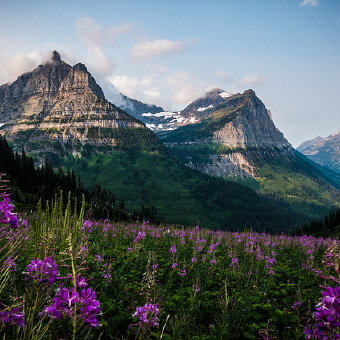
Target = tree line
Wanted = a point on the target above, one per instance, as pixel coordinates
(29, 184)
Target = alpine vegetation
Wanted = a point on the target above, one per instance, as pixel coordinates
(66, 277)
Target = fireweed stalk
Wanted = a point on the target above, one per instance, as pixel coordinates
(327, 315)
(77, 303)
(148, 314)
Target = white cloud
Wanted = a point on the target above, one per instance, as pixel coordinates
(14, 65)
(91, 33)
(251, 80)
(148, 49)
(184, 88)
(94, 37)
(172, 92)
(99, 62)
(309, 2)
(133, 87)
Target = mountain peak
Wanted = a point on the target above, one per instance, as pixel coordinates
(56, 56)
(214, 92)
(249, 92)
(80, 67)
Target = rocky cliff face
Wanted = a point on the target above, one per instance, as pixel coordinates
(231, 136)
(63, 104)
(324, 151)
(251, 127)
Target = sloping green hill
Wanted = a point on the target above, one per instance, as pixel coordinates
(238, 141)
(182, 195)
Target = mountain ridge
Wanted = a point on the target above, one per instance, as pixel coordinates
(59, 113)
(238, 140)
(323, 151)
(57, 108)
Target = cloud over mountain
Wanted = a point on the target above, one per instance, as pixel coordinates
(91, 33)
(149, 49)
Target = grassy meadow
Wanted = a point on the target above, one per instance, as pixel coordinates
(64, 277)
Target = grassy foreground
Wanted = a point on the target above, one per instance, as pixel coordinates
(63, 277)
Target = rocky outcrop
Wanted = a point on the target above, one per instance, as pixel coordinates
(60, 103)
(232, 136)
(251, 127)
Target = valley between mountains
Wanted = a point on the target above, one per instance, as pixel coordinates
(220, 162)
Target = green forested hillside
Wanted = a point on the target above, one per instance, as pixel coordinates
(181, 195)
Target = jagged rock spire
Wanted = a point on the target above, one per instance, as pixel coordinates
(56, 56)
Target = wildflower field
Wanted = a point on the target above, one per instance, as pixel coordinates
(65, 277)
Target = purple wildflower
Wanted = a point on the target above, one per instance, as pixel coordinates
(196, 287)
(174, 265)
(327, 315)
(91, 307)
(65, 300)
(147, 314)
(42, 270)
(183, 272)
(9, 262)
(234, 262)
(80, 281)
(141, 235)
(6, 215)
(173, 250)
(97, 258)
(12, 316)
(87, 226)
(297, 304)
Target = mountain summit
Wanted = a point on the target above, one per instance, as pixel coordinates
(58, 108)
(234, 128)
(235, 138)
(324, 151)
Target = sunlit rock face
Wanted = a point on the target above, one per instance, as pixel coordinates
(230, 136)
(59, 103)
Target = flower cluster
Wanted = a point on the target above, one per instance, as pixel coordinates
(173, 249)
(327, 316)
(9, 263)
(6, 215)
(147, 314)
(87, 226)
(43, 270)
(66, 299)
(12, 316)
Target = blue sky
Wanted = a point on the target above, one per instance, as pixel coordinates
(169, 53)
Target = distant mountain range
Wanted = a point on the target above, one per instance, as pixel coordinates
(188, 173)
(324, 151)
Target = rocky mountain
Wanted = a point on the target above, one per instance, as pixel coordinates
(158, 120)
(235, 129)
(59, 113)
(58, 108)
(324, 151)
(237, 139)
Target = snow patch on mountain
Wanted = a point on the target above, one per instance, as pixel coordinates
(200, 109)
(164, 114)
(225, 94)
